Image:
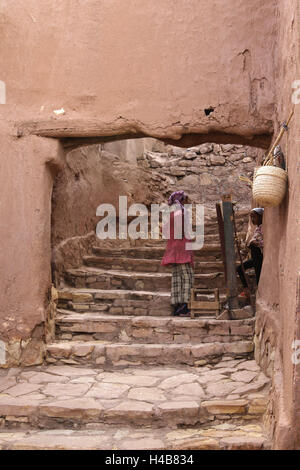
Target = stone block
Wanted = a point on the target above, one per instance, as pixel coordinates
(128, 310)
(16, 419)
(6, 383)
(205, 148)
(142, 332)
(217, 407)
(153, 350)
(82, 408)
(193, 389)
(58, 389)
(68, 371)
(235, 157)
(33, 353)
(140, 311)
(16, 406)
(44, 378)
(148, 394)
(179, 412)
(196, 444)
(107, 390)
(128, 379)
(176, 380)
(59, 350)
(239, 347)
(80, 298)
(22, 388)
(116, 351)
(243, 443)
(80, 307)
(203, 350)
(62, 295)
(130, 411)
(144, 443)
(249, 365)
(115, 310)
(244, 376)
(222, 388)
(217, 160)
(82, 350)
(256, 409)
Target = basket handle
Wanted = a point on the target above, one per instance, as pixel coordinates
(270, 158)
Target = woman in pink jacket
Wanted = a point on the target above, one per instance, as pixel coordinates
(181, 259)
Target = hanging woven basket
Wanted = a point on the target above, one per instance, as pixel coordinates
(269, 186)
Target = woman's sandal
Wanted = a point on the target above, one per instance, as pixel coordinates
(175, 308)
(183, 311)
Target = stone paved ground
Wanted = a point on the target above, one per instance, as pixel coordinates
(223, 436)
(82, 406)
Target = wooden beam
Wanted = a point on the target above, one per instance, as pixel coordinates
(75, 132)
(230, 252)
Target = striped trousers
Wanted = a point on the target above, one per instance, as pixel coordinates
(182, 282)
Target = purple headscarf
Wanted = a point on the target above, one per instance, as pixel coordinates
(177, 196)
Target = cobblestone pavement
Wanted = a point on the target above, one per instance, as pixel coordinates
(223, 436)
(227, 400)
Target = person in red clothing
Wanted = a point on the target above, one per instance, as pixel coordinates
(176, 255)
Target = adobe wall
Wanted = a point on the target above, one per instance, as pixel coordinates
(116, 69)
(134, 69)
(146, 68)
(278, 321)
(27, 170)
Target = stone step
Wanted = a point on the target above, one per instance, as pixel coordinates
(106, 354)
(74, 397)
(112, 279)
(120, 302)
(156, 330)
(211, 235)
(105, 437)
(210, 252)
(146, 265)
(116, 301)
(240, 215)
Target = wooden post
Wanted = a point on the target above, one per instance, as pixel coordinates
(221, 236)
(232, 290)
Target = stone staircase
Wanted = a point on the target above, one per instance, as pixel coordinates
(123, 373)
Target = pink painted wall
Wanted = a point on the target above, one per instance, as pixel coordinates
(156, 64)
(147, 67)
(278, 312)
(27, 169)
(151, 65)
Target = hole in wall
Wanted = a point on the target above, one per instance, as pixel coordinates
(209, 110)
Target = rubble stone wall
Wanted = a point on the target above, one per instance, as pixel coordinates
(206, 171)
